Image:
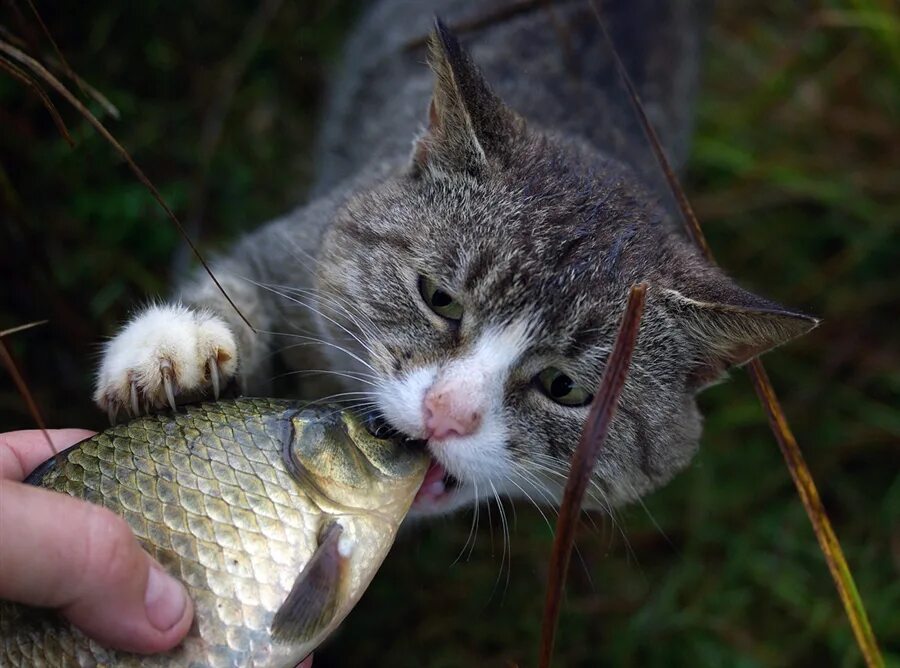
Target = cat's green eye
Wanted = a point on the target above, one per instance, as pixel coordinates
(439, 300)
(561, 388)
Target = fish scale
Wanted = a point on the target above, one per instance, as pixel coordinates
(208, 493)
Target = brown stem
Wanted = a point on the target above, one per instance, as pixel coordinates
(806, 488)
(22, 386)
(44, 74)
(584, 460)
(23, 77)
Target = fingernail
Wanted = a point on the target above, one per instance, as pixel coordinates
(164, 600)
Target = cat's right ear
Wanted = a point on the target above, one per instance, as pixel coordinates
(732, 328)
(468, 125)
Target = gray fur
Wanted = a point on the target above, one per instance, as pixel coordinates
(529, 190)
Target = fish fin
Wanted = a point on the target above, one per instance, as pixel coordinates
(313, 600)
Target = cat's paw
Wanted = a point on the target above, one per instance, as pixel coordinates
(164, 352)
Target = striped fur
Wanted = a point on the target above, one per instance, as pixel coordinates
(534, 204)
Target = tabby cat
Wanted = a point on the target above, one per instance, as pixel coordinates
(464, 261)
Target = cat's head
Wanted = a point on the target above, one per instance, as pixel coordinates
(485, 283)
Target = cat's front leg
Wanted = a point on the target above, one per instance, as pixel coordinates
(183, 349)
(187, 349)
(165, 351)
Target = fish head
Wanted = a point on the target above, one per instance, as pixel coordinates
(341, 460)
(359, 483)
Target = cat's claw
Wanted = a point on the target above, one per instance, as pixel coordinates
(165, 353)
(135, 407)
(165, 369)
(214, 375)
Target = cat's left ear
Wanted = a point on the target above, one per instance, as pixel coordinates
(731, 326)
(468, 125)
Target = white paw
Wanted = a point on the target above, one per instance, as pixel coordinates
(165, 351)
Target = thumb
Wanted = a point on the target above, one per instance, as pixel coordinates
(60, 552)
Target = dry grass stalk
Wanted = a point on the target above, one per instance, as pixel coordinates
(603, 409)
(806, 487)
(39, 70)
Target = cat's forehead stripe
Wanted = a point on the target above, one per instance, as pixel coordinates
(477, 269)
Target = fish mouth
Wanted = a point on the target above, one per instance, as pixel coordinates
(437, 489)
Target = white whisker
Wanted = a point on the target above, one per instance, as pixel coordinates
(324, 343)
(507, 546)
(533, 502)
(351, 375)
(362, 343)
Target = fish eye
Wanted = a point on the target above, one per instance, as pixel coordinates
(561, 388)
(439, 300)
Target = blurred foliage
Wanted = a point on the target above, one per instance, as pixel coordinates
(796, 175)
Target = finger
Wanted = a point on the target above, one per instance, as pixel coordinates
(22, 451)
(90, 567)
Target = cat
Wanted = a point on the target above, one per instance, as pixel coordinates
(468, 289)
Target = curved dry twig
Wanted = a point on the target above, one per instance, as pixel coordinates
(584, 459)
(55, 63)
(803, 481)
(43, 73)
(23, 77)
(21, 384)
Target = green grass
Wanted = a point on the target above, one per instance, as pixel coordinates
(795, 175)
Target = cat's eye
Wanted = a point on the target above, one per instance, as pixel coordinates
(561, 388)
(439, 300)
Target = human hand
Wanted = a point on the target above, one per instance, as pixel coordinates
(60, 552)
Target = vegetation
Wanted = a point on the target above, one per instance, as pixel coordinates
(796, 177)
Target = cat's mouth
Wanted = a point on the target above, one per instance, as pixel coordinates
(437, 488)
(439, 491)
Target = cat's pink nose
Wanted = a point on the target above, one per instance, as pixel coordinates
(447, 414)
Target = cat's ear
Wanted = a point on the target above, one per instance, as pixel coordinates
(730, 326)
(467, 123)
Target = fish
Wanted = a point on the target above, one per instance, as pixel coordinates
(276, 516)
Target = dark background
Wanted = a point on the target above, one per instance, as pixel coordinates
(795, 174)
